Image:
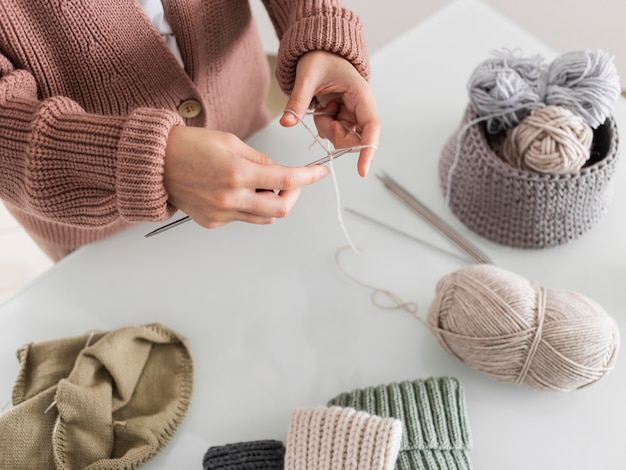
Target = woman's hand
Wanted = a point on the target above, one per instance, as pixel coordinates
(346, 103)
(216, 178)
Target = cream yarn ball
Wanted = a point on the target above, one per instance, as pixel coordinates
(514, 330)
(551, 139)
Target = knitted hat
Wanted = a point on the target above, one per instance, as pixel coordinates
(107, 400)
(520, 208)
(341, 438)
(254, 455)
(436, 431)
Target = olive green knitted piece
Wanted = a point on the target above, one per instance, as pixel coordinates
(436, 430)
(102, 401)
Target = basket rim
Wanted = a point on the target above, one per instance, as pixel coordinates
(491, 159)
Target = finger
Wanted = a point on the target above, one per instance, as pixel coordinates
(262, 208)
(298, 102)
(369, 136)
(285, 178)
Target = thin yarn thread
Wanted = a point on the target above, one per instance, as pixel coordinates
(329, 153)
(396, 301)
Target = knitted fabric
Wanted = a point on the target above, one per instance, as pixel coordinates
(524, 209)
(112, 400)
(338, 438)
(89, 93)
(254, 455)
(436, 430)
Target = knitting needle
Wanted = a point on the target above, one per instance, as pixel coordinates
(434, 220)
(321, 161)
(407, 235)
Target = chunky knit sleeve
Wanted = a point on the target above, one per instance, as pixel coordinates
(60, 163)
(307, 25)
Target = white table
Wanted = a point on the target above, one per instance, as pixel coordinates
(274, 325)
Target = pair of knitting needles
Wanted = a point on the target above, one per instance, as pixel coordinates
(325, 159)
(433, 219)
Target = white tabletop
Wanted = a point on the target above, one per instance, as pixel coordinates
(274, 325)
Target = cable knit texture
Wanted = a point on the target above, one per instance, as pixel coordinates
(341, 439)
(89, 92)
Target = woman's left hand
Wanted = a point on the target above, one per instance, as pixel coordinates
(346, 108)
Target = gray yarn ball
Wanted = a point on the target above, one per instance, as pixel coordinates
(584, 82)
(505, 88)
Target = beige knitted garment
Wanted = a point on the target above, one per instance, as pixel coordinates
(338, 438)
(107, 401)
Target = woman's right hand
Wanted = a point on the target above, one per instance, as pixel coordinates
(215, 178)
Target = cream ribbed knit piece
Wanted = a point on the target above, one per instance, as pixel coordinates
(89, 92)
(337, 438)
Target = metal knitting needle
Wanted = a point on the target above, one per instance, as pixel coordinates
(433, 219)
(408, 235)
(321, 161)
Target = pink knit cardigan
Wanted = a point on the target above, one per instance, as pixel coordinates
(89, 92)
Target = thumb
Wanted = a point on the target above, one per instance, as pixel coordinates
(298, 103)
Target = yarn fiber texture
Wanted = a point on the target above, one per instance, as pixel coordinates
(505, 88)
(551, 139)
(586, 83)
(340, 438)
(516, 331)
(436, 432)
(525, 209)
(253, 455)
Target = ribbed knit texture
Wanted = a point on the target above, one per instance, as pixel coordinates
(337, 438)
(253, 455)
(436, 429)
(525, 209)
(113, 400)
(89, 92)
(315, 25)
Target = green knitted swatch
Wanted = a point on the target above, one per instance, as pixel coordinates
(436, 433)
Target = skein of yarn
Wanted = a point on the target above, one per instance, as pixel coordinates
(513, 330)
(549, 140)
(505, 88)
(586, 83)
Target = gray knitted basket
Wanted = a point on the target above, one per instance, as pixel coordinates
(524, 209)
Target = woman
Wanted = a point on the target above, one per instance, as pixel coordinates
(114, 112)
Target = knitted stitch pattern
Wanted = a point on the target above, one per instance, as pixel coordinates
(254, 455)
(436, 431)
(89, 92)
(524, 209)
(109, 400)
(338, 438)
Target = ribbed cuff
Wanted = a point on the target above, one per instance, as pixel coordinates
(339, 32)
(254, 455)
(140, 191)
(338, 437)
(86, 169)
(433, 414)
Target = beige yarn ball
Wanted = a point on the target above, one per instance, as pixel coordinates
(551, 139)
(514, 330)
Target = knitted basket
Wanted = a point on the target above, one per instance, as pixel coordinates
(524, 209)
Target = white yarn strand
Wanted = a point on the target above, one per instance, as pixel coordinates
(329, 153)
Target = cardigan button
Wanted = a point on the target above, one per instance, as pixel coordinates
(189, 108)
